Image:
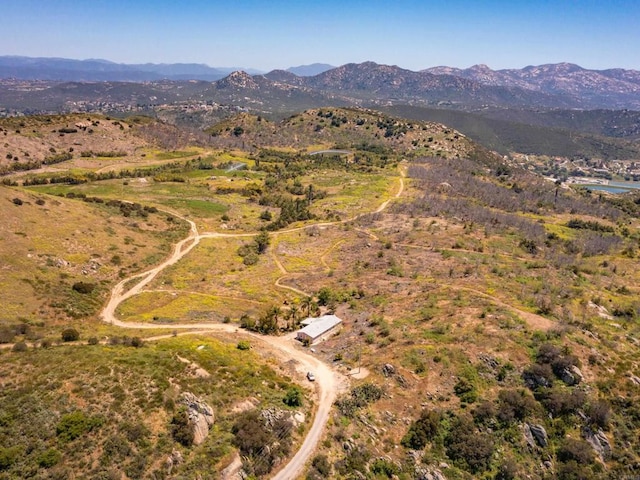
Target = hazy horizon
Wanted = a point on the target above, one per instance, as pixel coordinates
(254, 34)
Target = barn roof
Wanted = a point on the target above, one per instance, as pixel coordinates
(320, 325)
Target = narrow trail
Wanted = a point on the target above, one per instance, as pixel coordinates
(285, 274)
(533, 320)
(323, 258)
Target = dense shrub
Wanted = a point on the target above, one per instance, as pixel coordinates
(293, 397)
(538, 375)
(75, 424)
(484, 413)
(422, 431)
(8, 456)
(84, 287)
(261, 445)
(354, 461)
(578, 224)
(7, 335)
(384, 468)
(49, 458)
(576, 450)
(507, 471)
(70, 335)
(468, 448)
(599, 413)
(19, 347)
(560, 402)
(515, 405)
(181, 429)
(558, 360)
(360, 397)
(466, 390)
(321, 465)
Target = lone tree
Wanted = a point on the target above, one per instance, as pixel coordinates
(70, 335)
(262, 241)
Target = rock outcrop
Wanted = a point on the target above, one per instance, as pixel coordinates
(540, 434)
(572, 376)
(173, 460)
(429, 473)
(600, 443)
(388, 370)
(200, 416)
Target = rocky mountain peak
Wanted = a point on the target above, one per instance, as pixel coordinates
(238, 79)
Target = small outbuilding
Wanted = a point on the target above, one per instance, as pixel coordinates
(314, 328)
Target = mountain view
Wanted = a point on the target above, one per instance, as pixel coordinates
(384, 265)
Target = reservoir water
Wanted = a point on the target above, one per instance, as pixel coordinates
(614, 187)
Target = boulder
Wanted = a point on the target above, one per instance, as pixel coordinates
(174, 459)
(428, 473)
(540, 434)
(577, 373)
(534, 380)
(600, 443)
(489, 361)
(571, 375)
(528, 436)
(200, 416)
(388, 370)
(233, 471)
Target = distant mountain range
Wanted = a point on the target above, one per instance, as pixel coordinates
(63, 69)
(96, 70)
(562, 85)
(611, 88)
(310, 70)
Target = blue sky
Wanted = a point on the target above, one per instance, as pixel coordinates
(279, 34)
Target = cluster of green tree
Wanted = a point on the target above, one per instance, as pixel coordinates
(126, 208)
(392, 127)
(267, 323)
(288, 165)
(292, 208)
(579, 224)
(106, 153)
(250, 251)
(34, 164)
(276, 319)
(169, 177)
(75, 179)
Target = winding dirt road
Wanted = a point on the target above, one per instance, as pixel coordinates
(329, 383)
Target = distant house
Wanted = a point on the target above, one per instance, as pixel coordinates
(314, 328)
